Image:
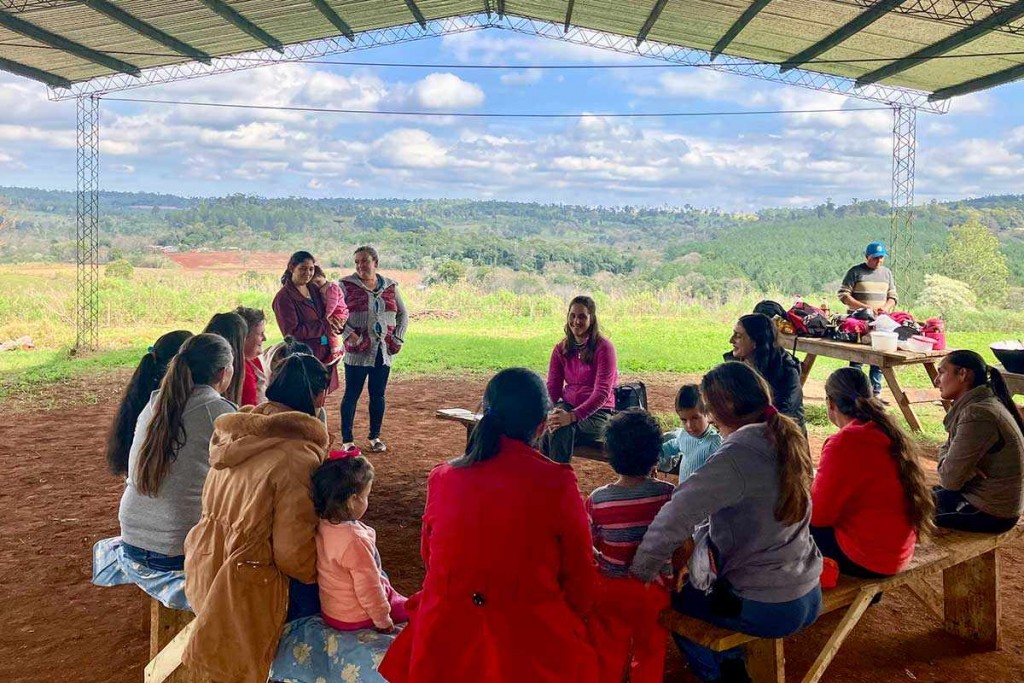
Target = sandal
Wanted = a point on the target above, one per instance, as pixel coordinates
(377, 446)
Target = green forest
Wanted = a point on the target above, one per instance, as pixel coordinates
(707, 253)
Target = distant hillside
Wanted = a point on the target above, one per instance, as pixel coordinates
(792, 250)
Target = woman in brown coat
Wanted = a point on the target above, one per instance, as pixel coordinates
(257, 530)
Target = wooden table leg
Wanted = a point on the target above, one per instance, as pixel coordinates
(853, 614)
(901, 398)
(766, 662)
(169, 633)
(805, 367)
(932, 374)
(971, 599)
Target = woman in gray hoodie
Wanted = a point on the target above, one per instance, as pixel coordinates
(755, 490)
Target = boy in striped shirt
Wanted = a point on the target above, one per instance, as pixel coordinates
(624, 626)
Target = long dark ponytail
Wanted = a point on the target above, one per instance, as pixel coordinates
(762, 332)
(198, 362)
(515, 404)
(849, 391)
(144, 382)
(232, 327)
(985, 375)
(738, 396)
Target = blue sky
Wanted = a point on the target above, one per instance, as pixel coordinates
(735, 163)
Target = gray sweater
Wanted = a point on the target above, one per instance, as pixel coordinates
(764, 559)
(160, 524)
(983, 457)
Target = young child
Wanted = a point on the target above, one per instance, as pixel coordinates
(624, 625)
(685, 450)
(354, 591)
(337, 311)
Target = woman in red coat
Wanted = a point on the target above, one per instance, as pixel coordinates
(509, 558)
(300, 311)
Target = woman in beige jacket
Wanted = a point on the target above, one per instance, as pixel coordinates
(257, 530)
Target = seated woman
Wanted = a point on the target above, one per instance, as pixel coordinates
(254, 385)
(144, 382)
(870, 500)
(507, 549)
(170, 455)
(756, 491)
(258, 527)
(981, 465)
(234, 329)
(755, 341)
(582, 376)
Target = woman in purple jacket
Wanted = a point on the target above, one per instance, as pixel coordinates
(582, 376)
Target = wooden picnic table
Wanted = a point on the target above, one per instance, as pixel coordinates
(888, 361)
(1014, 381)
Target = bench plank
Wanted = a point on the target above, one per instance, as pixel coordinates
(468, 419)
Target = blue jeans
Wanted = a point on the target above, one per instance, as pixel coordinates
(762, 619)
(303, 600)
(158, 562)
(875, 375)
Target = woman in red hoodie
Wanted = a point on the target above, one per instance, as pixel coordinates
(509, 559)
(870, 500)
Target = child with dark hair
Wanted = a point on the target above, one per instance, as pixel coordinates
(354, 591)
(337, 311)
(624, 627)
(684, 451)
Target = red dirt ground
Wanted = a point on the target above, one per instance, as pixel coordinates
(57, 500)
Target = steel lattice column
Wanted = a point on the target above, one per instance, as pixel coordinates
(901, 222)
(87, 224)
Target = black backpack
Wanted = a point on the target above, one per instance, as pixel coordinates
(770, 308)
(631, 395)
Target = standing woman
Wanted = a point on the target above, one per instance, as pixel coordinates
(756, 492)
(170, 455)
(250, 558)
(374, 332)
(509, 558)
(582, 375)
(299, 309)
(755, 341)
(254, 386)
(143, 383)
(981, 465)
(870, 499)
(232, 327)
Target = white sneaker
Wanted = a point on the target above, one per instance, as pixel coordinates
(347, 446)
(377, 446)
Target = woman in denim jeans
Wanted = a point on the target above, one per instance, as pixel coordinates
(170, 454)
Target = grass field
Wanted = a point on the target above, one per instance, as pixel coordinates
(454, 329)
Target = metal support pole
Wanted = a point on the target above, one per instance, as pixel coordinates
(87, 224)
(901, 221)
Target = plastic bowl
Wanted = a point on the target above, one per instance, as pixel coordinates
(884, 341)
(1010, 354)
(920, 344)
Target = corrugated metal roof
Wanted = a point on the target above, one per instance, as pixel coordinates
(782, 29)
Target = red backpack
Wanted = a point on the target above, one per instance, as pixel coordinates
(807, 320)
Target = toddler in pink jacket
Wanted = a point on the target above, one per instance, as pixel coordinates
(336, 310)
(354, 591)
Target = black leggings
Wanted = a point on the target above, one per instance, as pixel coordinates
(825, 538)
(952, 511)
(355, 377)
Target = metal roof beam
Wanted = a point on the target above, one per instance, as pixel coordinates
(651, 18)
(416, 13)
(233, 17)
(958, 39)
(980, 83)
(134, 23)
(333, 17)
(740, 24)
(61, 43)
(568, 16)
(861, 22)
(35, 74)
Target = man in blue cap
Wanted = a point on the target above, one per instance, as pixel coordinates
(870, 285)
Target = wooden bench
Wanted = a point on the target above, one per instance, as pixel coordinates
(468, 419)
(969, 603)
(169, 631)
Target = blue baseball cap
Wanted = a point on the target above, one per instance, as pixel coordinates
(875, 250)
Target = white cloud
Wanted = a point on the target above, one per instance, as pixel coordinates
(520, 78)
(447, 91)
(410, 148)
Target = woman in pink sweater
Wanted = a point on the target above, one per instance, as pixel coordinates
(354, 591)
(582, 376)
